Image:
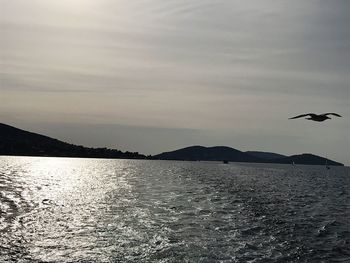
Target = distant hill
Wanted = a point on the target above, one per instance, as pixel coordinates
(307, 158)
(221, 153)
(14, 141)
(217, 153)
(266, 155)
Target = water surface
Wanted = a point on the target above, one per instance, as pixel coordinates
(92, 210)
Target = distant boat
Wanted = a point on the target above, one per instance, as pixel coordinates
(225, 161)
(327, 166)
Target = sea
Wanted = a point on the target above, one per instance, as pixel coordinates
(101, 210)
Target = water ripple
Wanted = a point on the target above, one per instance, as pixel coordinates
(90, 210)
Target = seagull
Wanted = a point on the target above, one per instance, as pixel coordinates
(316, 117)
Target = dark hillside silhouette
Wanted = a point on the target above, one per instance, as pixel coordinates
(221, 153)
(306, 158)
(15, 141)
(265, 155)
(217, 153)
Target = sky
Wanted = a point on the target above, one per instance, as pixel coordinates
(154, 75)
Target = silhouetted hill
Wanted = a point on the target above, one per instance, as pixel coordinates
(217, 153)
(266, 155)
(14, 141)
(221, 153)
(307, 158)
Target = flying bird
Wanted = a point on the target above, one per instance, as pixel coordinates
(316, 117)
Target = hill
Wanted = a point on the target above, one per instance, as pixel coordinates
(266, 155)
(14, 141)
(217, 153)
(307, 158)
(221, 153)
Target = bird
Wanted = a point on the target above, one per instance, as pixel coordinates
(316, 117)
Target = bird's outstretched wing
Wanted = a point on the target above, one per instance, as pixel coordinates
(332, 113)
(302, 115)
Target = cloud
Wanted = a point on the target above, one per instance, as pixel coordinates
(203, 65)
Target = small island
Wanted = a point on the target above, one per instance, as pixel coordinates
(228, 154)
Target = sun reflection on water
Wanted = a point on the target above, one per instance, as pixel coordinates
(67, 198)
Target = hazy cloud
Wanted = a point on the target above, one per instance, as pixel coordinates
(228, 72)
